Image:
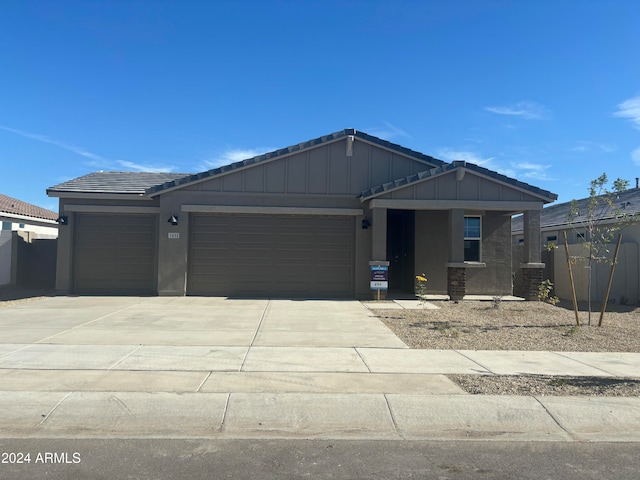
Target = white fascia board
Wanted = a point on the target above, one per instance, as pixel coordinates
(15, 218)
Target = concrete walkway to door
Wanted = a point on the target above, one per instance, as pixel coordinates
(126, 367)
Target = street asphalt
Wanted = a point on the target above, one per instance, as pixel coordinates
(219, 368)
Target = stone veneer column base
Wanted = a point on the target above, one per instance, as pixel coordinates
(532, 276)
(456, 282)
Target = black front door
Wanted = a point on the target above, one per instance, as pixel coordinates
(400, 250)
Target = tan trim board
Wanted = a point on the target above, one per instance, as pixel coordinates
(110, 209)
(271, 210)
(449, 204)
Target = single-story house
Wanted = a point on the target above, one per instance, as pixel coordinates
(554, 224)
(303, 221)
(26, 257)
(19, 216)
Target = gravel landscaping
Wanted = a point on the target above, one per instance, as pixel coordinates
(12, 295)
(475, 325)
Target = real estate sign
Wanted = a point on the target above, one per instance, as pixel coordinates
(379, 277)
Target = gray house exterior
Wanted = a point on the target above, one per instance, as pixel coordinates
(304, 221)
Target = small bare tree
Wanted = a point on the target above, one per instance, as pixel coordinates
(597, 220)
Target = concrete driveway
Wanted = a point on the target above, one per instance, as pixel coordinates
(183, 321)
(114, 367)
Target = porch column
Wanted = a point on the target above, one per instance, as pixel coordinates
(532, 266)
(379, 239)
(379, 234)
(456, 271)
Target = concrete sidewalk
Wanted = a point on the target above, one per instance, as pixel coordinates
(109, 367)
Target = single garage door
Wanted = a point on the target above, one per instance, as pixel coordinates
(271, 255)
(115, 254)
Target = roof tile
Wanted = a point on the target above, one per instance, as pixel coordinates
(18, 207)
(117, 182)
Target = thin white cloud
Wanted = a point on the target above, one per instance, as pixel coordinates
(526, 109)
(44, 139)
(388, 132)
(635, 156)
(450, 154)
(523, 170)
(233, 155)
(630, 109)
(533, 171)
(586, 146)
(96, 160)
(146, 168)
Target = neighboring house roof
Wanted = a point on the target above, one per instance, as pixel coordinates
(115, 182)
(13, 206)
(296, 148)
(447, 167)
(556, 215)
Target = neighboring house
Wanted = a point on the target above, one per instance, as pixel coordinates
(19, 216)
(303, 221)
(553, 226)
(23, 223)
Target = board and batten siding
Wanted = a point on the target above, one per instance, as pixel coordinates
(324, 170)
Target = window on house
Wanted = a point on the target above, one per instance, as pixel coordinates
(6, 225)
(21, 225)
(552, 238)
(580, 238)
(472, 239)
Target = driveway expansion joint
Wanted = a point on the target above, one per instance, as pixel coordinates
(488, 370)
(558, 422)
(46, 417)
(125, 357)
(583, 363)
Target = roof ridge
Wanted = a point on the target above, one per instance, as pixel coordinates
(296, 148)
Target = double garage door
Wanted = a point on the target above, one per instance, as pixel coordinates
(115, 254)
(271, 255)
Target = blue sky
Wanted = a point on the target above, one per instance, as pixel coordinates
(545, 91)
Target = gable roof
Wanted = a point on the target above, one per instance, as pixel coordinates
(448, 167)
(156, 190)
(115, 182)
(556, 215)
(13, 206)
(151, 184)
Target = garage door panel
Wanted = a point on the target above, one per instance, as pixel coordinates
(266, 255)
(114, 253)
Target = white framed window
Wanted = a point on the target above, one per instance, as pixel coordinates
(472, 239)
